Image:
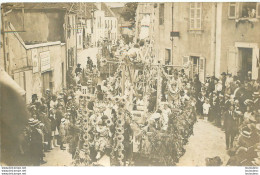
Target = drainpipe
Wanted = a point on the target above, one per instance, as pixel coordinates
(214, 37)
(218, 38)
(3, 34)
(172, 37)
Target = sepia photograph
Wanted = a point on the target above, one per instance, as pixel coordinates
(130, 84)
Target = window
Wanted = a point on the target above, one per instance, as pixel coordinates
(161, 14)
(244, 10)
(248, 10)
(167, 56)
(195, 15)
(232, 10)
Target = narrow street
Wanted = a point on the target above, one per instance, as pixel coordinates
(200, 147)
(82, 56)
(208, 141)
(58, 157)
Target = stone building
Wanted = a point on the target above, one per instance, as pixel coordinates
(37, 44)
(201, 36)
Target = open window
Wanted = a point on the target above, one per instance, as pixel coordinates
(244, 10)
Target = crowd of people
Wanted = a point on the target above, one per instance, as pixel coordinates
(141, 114)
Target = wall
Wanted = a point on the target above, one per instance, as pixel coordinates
(190, 42)
(243, 32)
(112, 29)
(99, 24)
(39, 25)
(57, 57)
(15, 48)
(71, 40)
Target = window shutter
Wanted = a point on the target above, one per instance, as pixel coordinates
(198, 22)
(186, 65)
(202, 69)
(232, 65)
(192, 15)
(258, 10)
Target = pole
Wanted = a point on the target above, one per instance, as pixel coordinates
(158, 87)
(3, 34)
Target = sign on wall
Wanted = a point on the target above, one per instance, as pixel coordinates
(45, 61)
(35, 61)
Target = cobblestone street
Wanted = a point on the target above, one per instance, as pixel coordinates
(208, 141)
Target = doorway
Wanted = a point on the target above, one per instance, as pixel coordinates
(194, 66)
(245, 57)
(47, 81)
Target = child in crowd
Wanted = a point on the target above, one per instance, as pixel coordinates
(206, 107)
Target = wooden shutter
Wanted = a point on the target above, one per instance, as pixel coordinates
(232, 62)
(198, 15)
(161, 14)
(186, 65)
(202, 69)
(192, 15)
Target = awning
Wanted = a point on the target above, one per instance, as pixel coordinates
(6, 79)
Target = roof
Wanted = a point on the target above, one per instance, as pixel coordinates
(117, 10)
(80, 7)
(107, 10)
(38, 6)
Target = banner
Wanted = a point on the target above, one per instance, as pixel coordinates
(35, 60)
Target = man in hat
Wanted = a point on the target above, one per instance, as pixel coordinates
(78, 69)
(223, 80)
(48, 97)
(229, 125)
(89, 63)
(34, 99)
(36, 144)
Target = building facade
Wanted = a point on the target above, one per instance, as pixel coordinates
(201, 36)
(35, 49)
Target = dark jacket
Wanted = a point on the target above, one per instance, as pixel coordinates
(229, 122)
(59, 116)
(36, 143)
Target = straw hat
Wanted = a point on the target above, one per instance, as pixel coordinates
(35, 122)
(30, 121)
